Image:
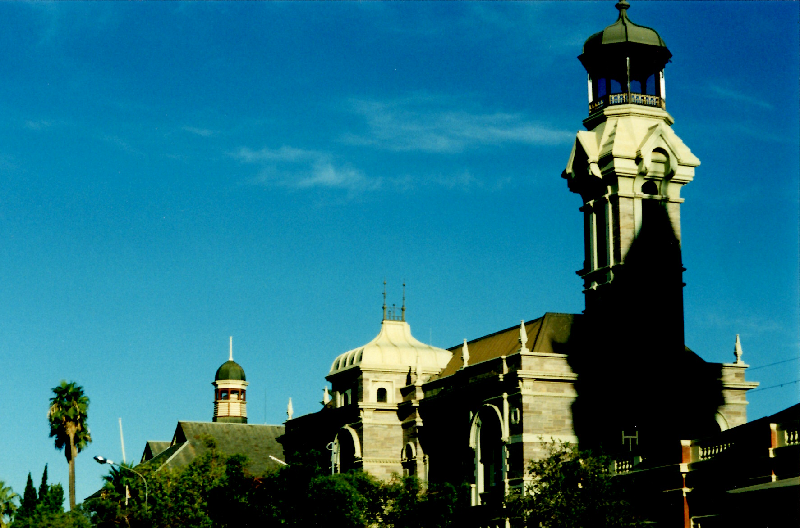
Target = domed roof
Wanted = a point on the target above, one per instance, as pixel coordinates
(393, 348)
(623, 31)
(230, 370)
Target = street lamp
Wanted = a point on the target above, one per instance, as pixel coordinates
(103, 460)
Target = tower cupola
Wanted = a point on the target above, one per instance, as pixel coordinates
(230, 404)
(625, 63)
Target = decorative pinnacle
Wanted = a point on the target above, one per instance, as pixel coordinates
(622, 5)
(465, 354)
(230, 358)
(523, 336)
(403, 309)
(737, 349)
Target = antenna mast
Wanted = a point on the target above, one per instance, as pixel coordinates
(122, 441)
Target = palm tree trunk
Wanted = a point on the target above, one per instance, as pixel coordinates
(73, 453)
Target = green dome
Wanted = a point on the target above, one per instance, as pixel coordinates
(230, 370)
(623, 35)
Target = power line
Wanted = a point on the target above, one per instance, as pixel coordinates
(776, 363)
(774, 386)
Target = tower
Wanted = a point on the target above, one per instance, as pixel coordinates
(230, 404)
(629, 168)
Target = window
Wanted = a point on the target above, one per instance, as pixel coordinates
(486, 440)
(380, 396)
(601, 228)
(600, 88)
(650, 187)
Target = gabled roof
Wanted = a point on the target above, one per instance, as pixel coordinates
(256, 442)
(545, 334)
(152, 449)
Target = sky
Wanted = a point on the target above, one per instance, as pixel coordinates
(172, 174)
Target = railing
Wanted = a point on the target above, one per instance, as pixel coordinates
(792, 436)
(708, 452)
(624, 98)
(623, 466)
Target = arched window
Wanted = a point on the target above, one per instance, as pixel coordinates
(650, 187)
(486, 439)
(380, 396)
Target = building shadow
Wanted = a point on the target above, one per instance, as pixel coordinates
(639, 388)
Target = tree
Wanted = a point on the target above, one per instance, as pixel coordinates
(43, 488)
(27, 507)
(67, 416)
(7, 504)
(573, 489)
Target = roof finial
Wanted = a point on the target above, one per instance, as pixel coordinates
(623, 6)
(465, 354)
(403, 310)
(737, 349)
(326, 396)
(290, 409)
(384, 299)
(230, 358)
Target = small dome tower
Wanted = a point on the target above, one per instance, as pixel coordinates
(625, 63)
(230, 404)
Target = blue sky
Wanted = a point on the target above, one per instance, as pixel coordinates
(172, 174)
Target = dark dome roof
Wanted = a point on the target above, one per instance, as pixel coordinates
(623, 31)
(230, 370)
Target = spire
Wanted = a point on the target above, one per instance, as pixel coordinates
(290, 409)
(384, 299)
(737, 349)
(465, 354)
(403, 310)
(523, 337)
(230, 358)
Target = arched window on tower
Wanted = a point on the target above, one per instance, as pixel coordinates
(380, 395)
(650, 187)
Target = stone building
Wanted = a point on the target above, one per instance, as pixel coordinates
(617, 378)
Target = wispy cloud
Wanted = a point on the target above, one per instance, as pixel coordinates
(121, 144)
(202, 132)
(739, 96)
(300, 169)
(425, 124)
(38, 124)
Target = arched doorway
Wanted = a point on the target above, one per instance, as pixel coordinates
(347, 450)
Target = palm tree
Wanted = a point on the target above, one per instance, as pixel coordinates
(67, 416)
(7, 504)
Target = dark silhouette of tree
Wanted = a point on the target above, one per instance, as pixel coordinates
(573, 489)
(27, 507)
(43, 488)
(67, 416)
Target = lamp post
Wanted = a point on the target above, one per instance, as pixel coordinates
(103, 460)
